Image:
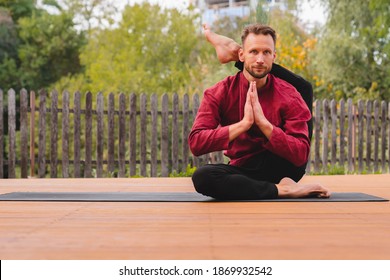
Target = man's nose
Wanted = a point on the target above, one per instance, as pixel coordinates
(260, 58)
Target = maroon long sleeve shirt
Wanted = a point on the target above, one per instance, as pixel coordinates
(223, 105)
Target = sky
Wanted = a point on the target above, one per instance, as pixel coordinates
(311, 11)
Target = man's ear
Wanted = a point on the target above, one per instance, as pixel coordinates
(241, 55)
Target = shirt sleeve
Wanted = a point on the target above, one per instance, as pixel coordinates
(206, 134)
(291, 141)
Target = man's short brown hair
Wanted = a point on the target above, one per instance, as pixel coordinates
(258, 29)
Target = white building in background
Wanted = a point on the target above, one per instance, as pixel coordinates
(212, 10)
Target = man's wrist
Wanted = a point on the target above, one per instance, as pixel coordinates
(266, 128)
(245, 125)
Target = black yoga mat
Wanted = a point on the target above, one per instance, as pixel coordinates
(166, 197)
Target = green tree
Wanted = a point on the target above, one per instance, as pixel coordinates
(19, 8)
(294, 44)
(49, 49)
(353, 52)
(152, 51)
(8, 50)
(88, 14)
(36, 48)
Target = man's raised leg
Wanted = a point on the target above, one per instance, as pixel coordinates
(226, 48)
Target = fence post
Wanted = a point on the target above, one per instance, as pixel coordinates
(133, 134)
(333, 113)
(100, 135)
(54, 134)
(351, 135)
(342, 133)
(376, 136)
(368, 134)
(186, 130)
(77, 134)
(325, 135)
(23, 134)
(65, 134)
(42, 134)
(175, 133)
(1, 135)
(388, 117)
(383, 136)
(111, 134)
(11, 133)
(153, 144)
(317, 127)
(88, 136)
(122, 136)
(360, 135)
(143, 139)
(164, 136)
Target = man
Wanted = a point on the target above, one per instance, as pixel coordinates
(261, 123)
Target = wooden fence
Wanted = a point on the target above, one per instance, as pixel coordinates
(136, 135)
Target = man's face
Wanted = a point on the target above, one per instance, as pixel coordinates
(258, 54)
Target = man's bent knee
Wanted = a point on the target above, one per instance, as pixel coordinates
(199, 179)
(203, 181)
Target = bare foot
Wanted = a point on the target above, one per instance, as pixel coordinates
(287, 188)
(226, 48)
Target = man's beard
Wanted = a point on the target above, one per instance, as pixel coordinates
(257, 75)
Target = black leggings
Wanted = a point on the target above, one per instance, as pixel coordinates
(257, 179)
(254, 181)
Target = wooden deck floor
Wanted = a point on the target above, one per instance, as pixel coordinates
(146, 230)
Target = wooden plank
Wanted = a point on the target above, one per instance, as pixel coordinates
(54, 134)
(186, 130)
(325, 135)
(175, 133)
(32, 134)
(23, 134)
(164, 136)
(154, 135)
(351, 135)
(122, 135)
(342, 132)
(88, 136)
(99, 134)
(111, 134)
(1, 134)
(317, 135)
(333, 149)
(11, 133)
(376, 136)
(384, 122)
(368, 134)
(77, 135)
(360, 141)
(143, 132)
(133, 134)
(42, 135)
(65, 134)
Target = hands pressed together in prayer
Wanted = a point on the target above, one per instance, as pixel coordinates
(253, 112)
